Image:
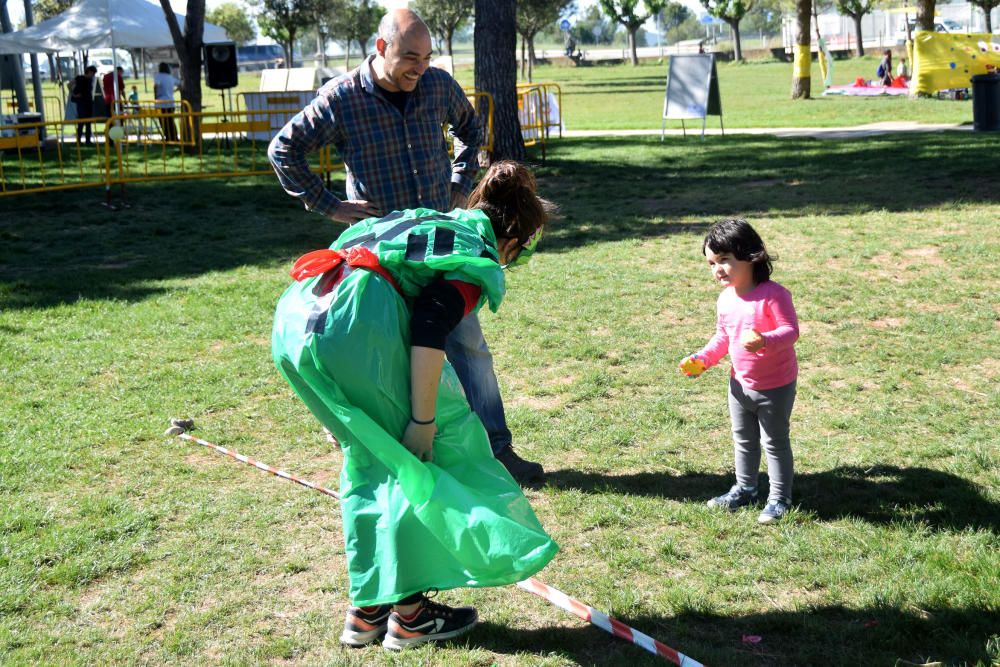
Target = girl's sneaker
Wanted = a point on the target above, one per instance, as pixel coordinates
(773, 511)
(431, 623)
(365, 625)
(736, 498)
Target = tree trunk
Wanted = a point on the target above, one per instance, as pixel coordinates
(631, 44)
(989, 24)
(925, 15)
(802, 58)
(451, 34)
(188, 46)
(737, 46)
(857, 34)
(531, 59)
(321, 47)
(290, 50)
(523, 63)
(495, 39)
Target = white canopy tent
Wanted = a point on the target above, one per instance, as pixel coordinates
(92, 24)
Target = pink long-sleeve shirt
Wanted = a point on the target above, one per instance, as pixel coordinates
(768, 309)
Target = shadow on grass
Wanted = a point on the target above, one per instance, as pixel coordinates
(612, 188)
(881, 494)
(830, 635)
(61, 247)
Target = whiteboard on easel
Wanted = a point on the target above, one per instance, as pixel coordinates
(692, 88)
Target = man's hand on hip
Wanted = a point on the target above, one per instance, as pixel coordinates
(352, 210)
(458, 200)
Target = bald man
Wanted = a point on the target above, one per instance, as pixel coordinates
(385, 121)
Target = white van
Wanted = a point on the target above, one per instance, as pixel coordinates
(103, 60)
(940, 25)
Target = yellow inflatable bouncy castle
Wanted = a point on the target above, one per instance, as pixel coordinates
(942, 61)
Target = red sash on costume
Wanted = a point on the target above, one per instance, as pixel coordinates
(320, 261)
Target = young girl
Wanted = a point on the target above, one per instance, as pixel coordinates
(757, 326)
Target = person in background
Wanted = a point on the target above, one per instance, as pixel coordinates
(903, 69)
(884, 70)
(82, 94)
(164, 85)
(108, 85)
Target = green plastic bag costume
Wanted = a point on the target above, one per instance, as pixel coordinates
(409, 526)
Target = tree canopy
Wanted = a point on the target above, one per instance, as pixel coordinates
(355, 21)
(628, 13)
(46, 9)
(444, 17)
(281, 20)
(732, 12)
(234, 20)
(533, 16)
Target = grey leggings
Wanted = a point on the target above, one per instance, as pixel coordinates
(761, 418)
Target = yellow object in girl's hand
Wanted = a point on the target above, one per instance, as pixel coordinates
(692, 366)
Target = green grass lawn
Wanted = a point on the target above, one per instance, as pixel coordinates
(754, 94)
(121, 546)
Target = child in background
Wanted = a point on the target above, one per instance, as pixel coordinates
(134, 95)
(757, 326)
(903, 69)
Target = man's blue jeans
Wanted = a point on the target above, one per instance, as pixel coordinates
(467, 351)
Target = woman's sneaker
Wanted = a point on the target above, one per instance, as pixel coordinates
(431, 623)
(736, 498)
(773, 511)
(365, 625)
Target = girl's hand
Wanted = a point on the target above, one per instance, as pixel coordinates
(692, 366)
(419, 439)
(752, 340)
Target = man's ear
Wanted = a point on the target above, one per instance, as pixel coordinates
(380, 46)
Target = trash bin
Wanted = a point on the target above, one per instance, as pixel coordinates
(986, 103)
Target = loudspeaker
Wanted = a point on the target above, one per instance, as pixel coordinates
(221, 71)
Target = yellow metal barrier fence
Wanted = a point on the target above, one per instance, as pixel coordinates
(27, 164)
(147, 144)
(549, 100)
(531, 113)
(52, 107)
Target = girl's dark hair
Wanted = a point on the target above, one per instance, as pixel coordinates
(737, 238)
(164, 68)
(507, 195)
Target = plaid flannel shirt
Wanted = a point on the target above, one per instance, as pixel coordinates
(395, 161)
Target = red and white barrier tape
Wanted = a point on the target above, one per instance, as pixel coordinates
(606, 623)
(262, 466)
(558, 598)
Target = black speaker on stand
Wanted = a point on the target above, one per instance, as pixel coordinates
(221, 71)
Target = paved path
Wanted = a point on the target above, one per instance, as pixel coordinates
(852, 132)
